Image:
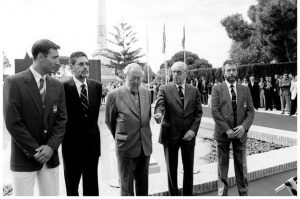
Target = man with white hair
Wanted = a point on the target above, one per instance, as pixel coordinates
(127, 115)
(179, 111)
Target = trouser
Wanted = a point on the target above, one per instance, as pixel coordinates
(171, 156)
(85, 166)
(240, 166)
(262, 98)
(47, 179)
(134, 171)
(285, 103)
(294, 106)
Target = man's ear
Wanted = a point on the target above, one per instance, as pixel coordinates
(40, 57)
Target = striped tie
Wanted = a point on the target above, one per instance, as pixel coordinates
(42, 90)
(234, 106)
(84, 100)
(181, 94)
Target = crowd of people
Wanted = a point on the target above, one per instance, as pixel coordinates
(41, 113)
(278, 93)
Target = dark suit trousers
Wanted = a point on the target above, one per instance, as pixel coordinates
(85, 166)
(171, 156)
(134, 169)
(240, 166)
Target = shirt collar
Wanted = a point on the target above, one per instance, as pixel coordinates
(37, 76)
(79, 83)
(228, 85)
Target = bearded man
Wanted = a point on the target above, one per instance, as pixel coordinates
(233, 113)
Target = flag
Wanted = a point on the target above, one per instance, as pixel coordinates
(164, 41)
(183, 39)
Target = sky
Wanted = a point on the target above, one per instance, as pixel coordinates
(73, 25)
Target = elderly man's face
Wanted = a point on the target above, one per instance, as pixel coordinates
(135, 78)
(178, 73)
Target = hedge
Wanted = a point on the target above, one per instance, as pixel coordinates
(245, 71)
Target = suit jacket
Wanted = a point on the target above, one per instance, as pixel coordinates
(82, 135)
(254, 90)
(285, 86)
(130, 129)
(178, 118)
(222, 112)
(28, 123)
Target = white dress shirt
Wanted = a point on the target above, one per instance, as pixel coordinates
(78, 85)
(229, 88)
(37, 76)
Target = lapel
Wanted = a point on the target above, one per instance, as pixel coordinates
(187, 95)
(34, 91)
(125, 96)
(175, 93)
(91, 96)
(143, 101)
(239, 94)
(226, 95)
(50, 93)
(73, 90)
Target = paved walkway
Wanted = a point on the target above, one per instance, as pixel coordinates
(270, 119)
(263, 186)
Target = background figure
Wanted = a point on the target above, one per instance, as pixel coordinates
(262, 98)
(209, 87)
(233, 113)
(81, 144)
(245, 82)
(254, 90)
(285, 94)
(35, 116)
(103, 94)
(180, 107)
(127, 115)
(277, 101)
(268, 90)
(294, 96)
(204, 91)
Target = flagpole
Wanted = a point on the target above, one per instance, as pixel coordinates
(164, 52)
(183, 44)
(147, 49)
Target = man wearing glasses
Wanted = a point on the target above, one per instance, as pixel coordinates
(127, 115)
(179, 111)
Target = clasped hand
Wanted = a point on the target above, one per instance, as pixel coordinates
(44, 153)
(158, 117)
(237, 132)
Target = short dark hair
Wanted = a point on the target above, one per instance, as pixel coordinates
(76, 54)
(229, 62)
(43, 46)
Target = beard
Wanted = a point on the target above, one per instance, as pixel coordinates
(231, 79)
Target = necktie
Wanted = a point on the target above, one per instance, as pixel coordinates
(181, 94)
(42, 89)
(234, 106)
(84, 100)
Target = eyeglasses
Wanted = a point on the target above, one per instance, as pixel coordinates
(178, 72)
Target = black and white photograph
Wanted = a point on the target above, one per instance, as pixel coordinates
(149, 98)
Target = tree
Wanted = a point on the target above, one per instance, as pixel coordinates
(123, 40)
(6, 62)
(272, 33)
(192, 60)
(276, 23)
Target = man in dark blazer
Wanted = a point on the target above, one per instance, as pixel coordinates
(35, 116)
(81, 144)
(179, 110)
(254, 90)
(127, 115)
(233, 113)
